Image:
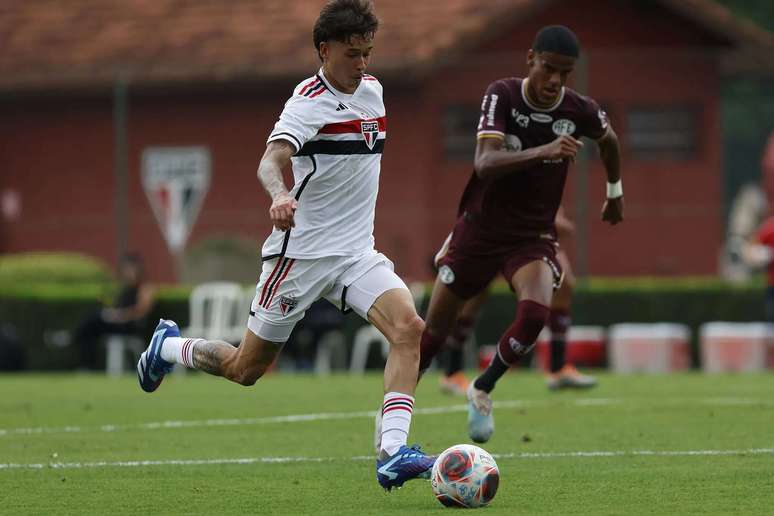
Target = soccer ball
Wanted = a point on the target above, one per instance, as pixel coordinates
(465, 476)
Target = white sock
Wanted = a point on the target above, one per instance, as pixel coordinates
(396, 419)
(179, 350)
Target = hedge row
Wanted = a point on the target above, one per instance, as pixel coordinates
(37, 310)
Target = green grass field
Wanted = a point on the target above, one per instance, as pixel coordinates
(682, 444)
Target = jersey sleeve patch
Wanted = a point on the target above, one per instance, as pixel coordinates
(494, 109)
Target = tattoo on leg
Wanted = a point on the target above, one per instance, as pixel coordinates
(208, 355)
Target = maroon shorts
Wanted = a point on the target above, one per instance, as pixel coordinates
(469, 260)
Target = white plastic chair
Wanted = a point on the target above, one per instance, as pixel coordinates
(117, 346)
(217, 312)
(364, 337)
(331, 351)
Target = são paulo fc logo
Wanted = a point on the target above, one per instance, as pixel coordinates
(446, 275)
(287, 304)
(563, 127)
(176, 179)
(370, 131)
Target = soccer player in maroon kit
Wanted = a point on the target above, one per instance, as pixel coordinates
(528, 134)
(562, 374)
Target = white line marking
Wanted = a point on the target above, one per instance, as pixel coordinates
(294, 418)
(300, 418)
(285, 460)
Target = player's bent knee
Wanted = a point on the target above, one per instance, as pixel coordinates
(408, 332)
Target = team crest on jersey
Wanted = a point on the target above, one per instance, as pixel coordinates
(563, 127)
(370, 131)
(287, 304)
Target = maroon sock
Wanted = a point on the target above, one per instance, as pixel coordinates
(429, 346)
(456, 344)
(515, 342)
(559, 322)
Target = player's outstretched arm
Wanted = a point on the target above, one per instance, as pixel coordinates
(274, 160)
(493, 161)
(610, 152)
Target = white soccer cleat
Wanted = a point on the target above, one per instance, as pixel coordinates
(480, 418)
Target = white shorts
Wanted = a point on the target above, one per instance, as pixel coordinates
(288, 286)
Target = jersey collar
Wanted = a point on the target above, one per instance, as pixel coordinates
(533, 106)
(345, 96)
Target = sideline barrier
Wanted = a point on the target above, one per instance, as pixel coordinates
(736, 347)
(650, 348)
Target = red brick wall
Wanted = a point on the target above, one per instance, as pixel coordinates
(58, 153)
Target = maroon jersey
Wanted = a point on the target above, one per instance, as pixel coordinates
(524, 203)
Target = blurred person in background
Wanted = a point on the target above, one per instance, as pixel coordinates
(124, 317)
(561, 374)
(321, 317)
(758, 253)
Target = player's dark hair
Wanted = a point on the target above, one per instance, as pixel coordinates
(557, 39)
(341, 19)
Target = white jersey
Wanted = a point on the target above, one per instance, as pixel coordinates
(339, 140)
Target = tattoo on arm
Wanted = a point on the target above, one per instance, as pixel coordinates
(276, 157)
(208, 356)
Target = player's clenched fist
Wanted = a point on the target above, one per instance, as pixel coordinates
(281, 212)
(612, 211)
(563, 147)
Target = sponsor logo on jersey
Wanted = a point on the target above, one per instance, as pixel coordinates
(522, 120)
(341, 107)
(563, 127)
(512, 142)
(287, 304)
(541, 117)
(518, 347)
(370, 131)
(491, 114)
(446, 275)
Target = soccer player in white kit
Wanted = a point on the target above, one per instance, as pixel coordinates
(332, 130)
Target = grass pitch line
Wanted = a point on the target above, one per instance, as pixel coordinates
(286, 460)
(300, 418)
(293, 418)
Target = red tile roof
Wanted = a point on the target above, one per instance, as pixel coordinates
(50, 44)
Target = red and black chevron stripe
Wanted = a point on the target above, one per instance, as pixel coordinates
(277, 276)
(398, 403)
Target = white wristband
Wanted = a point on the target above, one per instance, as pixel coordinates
(614, 190)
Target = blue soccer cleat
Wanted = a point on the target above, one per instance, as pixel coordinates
(151, 368)
(407, 463)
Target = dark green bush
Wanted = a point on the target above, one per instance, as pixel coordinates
(37, 309)
(48, 268)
